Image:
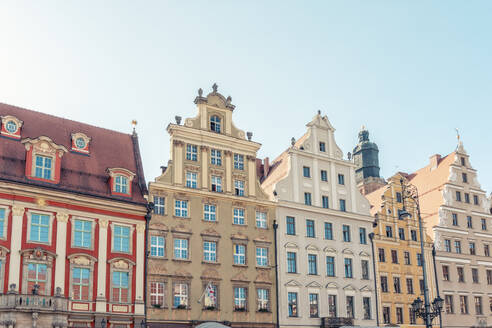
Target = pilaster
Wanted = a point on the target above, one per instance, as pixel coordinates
(15, 246)
(61, 249)
(204, 152)
(228, 169)
(101, 266)
(140, 255)
(178, 161)
(251, 175)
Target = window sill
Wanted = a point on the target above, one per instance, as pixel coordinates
(157, 257)
(121, 252)
(182, 260)
(39, 242)
(313, 274)
(210, 221)
(211, 263)
(181, 217)
(240, 265)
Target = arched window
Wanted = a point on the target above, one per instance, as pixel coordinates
(215, 123)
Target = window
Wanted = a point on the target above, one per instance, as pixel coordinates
(43, 166)
(409, 285)
(181, 208)
(421, 285)
(239, 254)
(490, 302)
(215, 123)
(120, 288)
(159, 205)
(291, 225)
(406, 256)
(474, 275)
(261, 220)
(180, 296)
(400, 217)
(292, 303)
(455, 219)
(447, 245)
(489, 277)
(191, 178)
(157, 293)
(262, 256)
(310, 229)
(209, 212)
(346, 233)
(457, 246)
(472, 249)
(215, 157)
(2, 222)
(240, 299)
(463, 161)
(469, 222)
(157, 246)
(121, 184)
(464, 177)
(382, 257)
(366, 304)
(325, 201)
(80, 284)
(486, 250)
(467, 198)
(328, 231)
(291, 262)
(341, 179)
(396, 285)
(399, 315)
(475, 200)
(365, 269)
(332, 306)
(216, 183)
(322, 146)
(191, 152)
(478, 305)
(349, 300)
(263, 299)
(324, 175)
(413, 234)
(389, 232)
(121, 239)
(401, 233)
(181, 249)
(362, 235)
(312, 264)
(330, 266)
(398, 197)
(386, 314)
(239, 216)
(40, 228)
(210, 251)
(211, 295)
(484, 224)
(313, 305)
(448, 300)
(463, 304)
(239, 187)
(419, 259)
(82, 233)
(306, 171)
(394, 256)
(11, 126)
(458, 196)
(384, 284)
(445, 273)
(461, 274)
(348, 268)
(239, 162)
(343, 207)
(307, 198)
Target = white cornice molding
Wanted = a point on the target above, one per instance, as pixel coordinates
(479, 234)
(450, 230)
(324, 211)
(452, 259)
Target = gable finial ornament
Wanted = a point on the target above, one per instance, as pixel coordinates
(228, 100)
(200, 92)
(215, 87)
(134, 125)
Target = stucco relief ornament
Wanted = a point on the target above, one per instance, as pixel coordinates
(446, 195)
(437, 240)
(103, 223)
(62, 217)
(442, 217)
(18, 210)
(120, 265)
(188, 122)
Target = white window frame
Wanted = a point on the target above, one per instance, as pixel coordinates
(181, 248)
(129, 298)
(262, 258)
(130, 239)
(124, 183)
(239, 162)
(242, 300)
(180, 210)
(238, 216)
(157, 246)
(43, 166)
(239, 187)
(191, 179)
(191, 152)
(263, 299)
(81, 285)
(217, 181)
(93, 226)
(239, 256)
(210, 252)
(156, 294)
(5, 221)
(183, 294)
(216, 157)
(261, 220)
(210, 210)
(159, 207)
(50, 232)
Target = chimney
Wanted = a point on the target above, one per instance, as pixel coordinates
(266, 166)
(434, 161)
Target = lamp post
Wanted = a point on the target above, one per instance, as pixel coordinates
(421, 309)
(148, 217)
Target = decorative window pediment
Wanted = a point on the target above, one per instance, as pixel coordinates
(121, 181)
(366, 289)
(11, 127)
(312, 247)
(80, 143)
(291, 245)
(332, 285)
(347, 251)
(293, 283)
(364, 254)
(329, 250)
(43, 159)
(314, 284)
(349, 287)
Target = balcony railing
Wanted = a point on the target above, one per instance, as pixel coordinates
(335, 322)
(33, 302)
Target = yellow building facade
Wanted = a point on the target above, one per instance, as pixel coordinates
(399, 274)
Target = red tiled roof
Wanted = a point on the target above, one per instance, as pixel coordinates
(79, 173)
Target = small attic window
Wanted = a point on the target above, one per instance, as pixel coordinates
(215, 123)
(121, 181)
(80, 143)
(11, 127)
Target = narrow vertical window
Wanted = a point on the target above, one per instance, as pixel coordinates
(43, 166)
(191, 152)
(239, 162)
(313, 305)
(157, 246)
(40, 228)
(80, 284)
(261, 220)
(307, 198)
(291, 225)
(159, 204)
(82, 233)
(292, 303)
(120, 287)
(238, 217)
(215, 123)
(121, 239)
(328, 231)
(121, 184)
(209, 212)
(239, 187)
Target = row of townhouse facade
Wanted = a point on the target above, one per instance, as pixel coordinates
(312, 239)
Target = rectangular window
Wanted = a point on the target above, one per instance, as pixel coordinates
(421, 285)
(325, 201)
(180, 296)
(239, 162)
(447, 245)
(157, 246)
(445, 273)
(306, 171)
(216, 183)
(240, 300)
(2, 221)
(307, 198)
(239, 187)
(330, 266)
(181, 208)
(210, 251)
(406, 256)
(463, 161)
(464, 177)
(469, 222)
(40, 228)
(461, 274)
(362, 236)
(484, 224)
(486, 250)
(475, 200)
(328, 231)
(324, 175)
(291, 225)
(386, 314)
(381, 255)
(120, 287)
(413, 234)
(261, 220)
(261, 256)
(474, 275)
(209, 212)
(157, 293)
(312, 264)
(389, 232)
(348, 268)
(448, 301)
(401, 233)
(310, 229)
(341, 179)
(159, 205)
(37, 274)
(211, 301)
(322, 146)
(458, 196)
(181, 249)
(349, 300)
(263, 299)
(409, 285)
(366, 303)
(365, 269)
(238, 216)
(291, 262)
(455, 219)
(467, 198)
(43, 167)
(489, 277)
(332, 306)
(343, 207)
(292, 303)
(396, 285)
(478, 305)
(121, 239)
(215, 157)
(346, 233)
(191, 152)
(399, 315)
(398, 197)
(121, 184)
(472, 249)
(313, 305)
(82, 233)
(384, 284)
(239, 254)
(463, 304)
(80, 284)
(419, 259)
(394, 256)
(457, 246)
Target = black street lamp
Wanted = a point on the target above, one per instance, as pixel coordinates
(142, 324)
(421, 309)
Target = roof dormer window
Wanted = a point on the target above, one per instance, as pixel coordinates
(43, 159)
(80, 143)
(121, 184)
(11, 127)
(215, 123)
(121, 181)
(43, 166)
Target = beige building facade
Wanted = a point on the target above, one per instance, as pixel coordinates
(211, 234)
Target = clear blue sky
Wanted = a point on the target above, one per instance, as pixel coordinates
(411, 71)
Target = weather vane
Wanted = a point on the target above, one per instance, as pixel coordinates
(457, 134)
(134, 124)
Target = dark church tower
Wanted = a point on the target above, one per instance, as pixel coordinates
(366, 158)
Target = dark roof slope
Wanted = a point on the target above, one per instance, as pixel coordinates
(79, 173)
